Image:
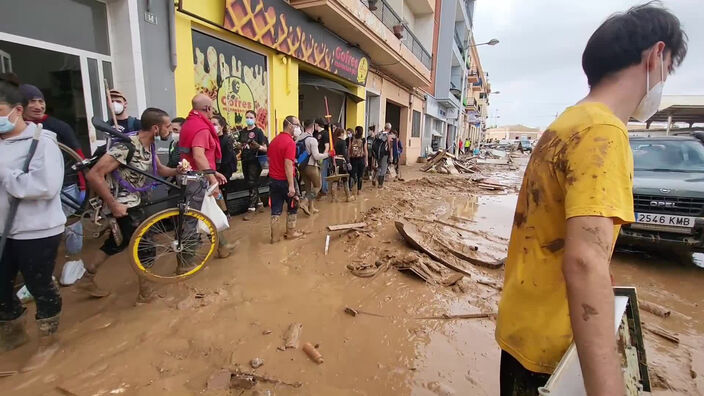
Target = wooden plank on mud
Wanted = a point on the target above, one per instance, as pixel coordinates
(342, 227)
(409, 232)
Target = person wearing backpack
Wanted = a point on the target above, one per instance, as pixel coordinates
(308, 158)
(397, 149)
(382, 154)
(31, 176)
(358, 157)
(371, 163)
(125, 122)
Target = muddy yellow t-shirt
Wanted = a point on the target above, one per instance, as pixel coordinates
(582, 166)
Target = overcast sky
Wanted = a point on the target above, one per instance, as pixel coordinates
(537, 65)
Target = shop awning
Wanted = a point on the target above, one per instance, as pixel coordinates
(320, 82)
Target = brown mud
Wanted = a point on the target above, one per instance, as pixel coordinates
(240, 308)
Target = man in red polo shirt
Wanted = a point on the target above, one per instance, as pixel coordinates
(200, 146)
(282, 184)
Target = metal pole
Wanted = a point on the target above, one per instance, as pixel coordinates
(669, 124)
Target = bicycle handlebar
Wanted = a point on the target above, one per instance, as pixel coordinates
(107, 128)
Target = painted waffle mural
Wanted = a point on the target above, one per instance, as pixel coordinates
(277, 25)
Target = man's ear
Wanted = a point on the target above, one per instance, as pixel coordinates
(654, 54)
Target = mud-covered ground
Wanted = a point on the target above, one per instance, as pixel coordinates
(239, 308)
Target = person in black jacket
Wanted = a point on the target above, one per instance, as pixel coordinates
(228, 162)
(254, 144)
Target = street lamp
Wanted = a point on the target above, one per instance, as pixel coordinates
(496, 93)
(490, 42)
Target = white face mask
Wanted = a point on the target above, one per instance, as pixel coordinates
(118, 107)
(296, 131)
(651, 101)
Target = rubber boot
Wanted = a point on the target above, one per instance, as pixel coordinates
(311, 207)
(291, 232)
(249, 215)
(48, 343)
(87, 285)
(305, 206)
(146, 291)
(275, 229)
(348, 196)
(13, 333)
(380, 181)
(224, 248)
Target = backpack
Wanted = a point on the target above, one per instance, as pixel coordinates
(357, 148)
(302, 154)
(101, 150)
(380, 148)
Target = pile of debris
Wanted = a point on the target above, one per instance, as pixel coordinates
(444, 162)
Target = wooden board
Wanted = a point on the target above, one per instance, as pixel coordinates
(342, 227)
(410, 233)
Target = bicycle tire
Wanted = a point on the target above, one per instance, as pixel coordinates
(151, 225)
(71, 158)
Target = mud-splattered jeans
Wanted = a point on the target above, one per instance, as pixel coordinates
(252, 171)
(34, 259)
(516, 380)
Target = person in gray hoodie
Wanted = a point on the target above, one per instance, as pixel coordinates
(37, 227)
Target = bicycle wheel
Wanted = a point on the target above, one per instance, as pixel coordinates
(75, 192)
(169, 247)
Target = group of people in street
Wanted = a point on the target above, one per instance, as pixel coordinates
(33, 179)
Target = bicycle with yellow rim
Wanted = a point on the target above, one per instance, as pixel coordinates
(169, 246)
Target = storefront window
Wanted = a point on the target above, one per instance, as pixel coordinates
(79, 24)
(415, 127)
(58, 76)
(235, 78)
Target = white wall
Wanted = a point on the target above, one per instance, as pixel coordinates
(424, 30)
(126, 50)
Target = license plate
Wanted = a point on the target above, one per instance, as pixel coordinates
(668, 220)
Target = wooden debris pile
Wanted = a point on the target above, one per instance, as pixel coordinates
(447, 163)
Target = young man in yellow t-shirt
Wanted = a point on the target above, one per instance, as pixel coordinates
(576, 193)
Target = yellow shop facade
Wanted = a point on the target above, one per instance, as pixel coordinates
(266, 56)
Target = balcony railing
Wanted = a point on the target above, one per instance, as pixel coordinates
(390, 18)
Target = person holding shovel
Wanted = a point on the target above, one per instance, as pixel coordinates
(32, 225)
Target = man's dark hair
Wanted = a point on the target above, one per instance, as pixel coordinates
(372, 128)
(307, 124)
(10, 77)
(180, 120)
(152, 116)
(620, 41)
(288, 121)
(10, 94)
(321, 122)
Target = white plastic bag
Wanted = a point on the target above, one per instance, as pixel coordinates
(211, 209)
(73, 271)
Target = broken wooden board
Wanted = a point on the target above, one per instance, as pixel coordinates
(410, 234)
(432, 162)
(343, 227)
(467, 253)
(451, 167)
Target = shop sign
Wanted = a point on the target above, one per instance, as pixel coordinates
(277, 25)
(235, 78)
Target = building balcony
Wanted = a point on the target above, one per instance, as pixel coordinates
(470, 104)
(373, 31)
(472, 77)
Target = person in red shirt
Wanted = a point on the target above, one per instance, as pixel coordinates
(200, 146)
(282, 182)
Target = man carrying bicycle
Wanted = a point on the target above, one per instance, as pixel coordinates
(107, 175)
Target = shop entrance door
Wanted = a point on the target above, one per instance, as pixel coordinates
(393, 116)
(71, 81)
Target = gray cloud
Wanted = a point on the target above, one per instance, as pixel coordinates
(537, 65)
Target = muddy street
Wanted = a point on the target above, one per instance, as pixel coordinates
(239, 308)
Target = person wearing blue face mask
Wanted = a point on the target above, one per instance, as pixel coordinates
(254, 144)
(35, 230)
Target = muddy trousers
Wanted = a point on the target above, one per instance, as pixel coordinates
(383, 169)
(516, 380)
(252, 171)
(357, 172)
(34, 259)
(278, 193)
(311, 181)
